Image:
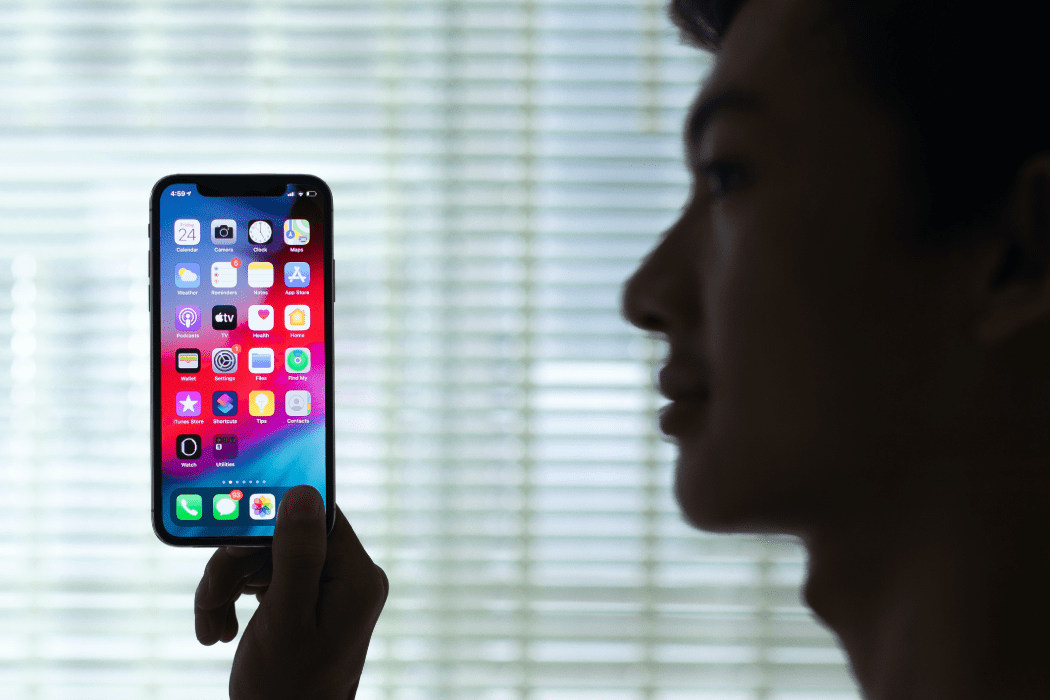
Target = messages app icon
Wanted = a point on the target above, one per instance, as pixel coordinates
(223, 507)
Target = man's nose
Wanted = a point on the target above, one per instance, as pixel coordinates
(661, 292)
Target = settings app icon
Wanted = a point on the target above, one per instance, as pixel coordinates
(223, 360)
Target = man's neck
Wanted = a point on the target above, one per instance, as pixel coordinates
(952, 604)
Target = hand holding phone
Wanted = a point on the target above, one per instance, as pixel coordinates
(320, 598)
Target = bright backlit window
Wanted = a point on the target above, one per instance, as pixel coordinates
(498, 168)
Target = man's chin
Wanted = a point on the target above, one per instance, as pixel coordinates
(724, 500)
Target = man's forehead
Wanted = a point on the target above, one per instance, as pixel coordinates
(774, 49)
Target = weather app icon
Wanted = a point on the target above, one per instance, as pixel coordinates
(188, 318)
(187, 275)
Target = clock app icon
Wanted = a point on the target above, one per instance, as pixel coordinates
(260, 232)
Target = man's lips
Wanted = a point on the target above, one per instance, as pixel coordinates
(680, 384)
(688, 388)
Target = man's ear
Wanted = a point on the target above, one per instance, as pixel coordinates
(1016, 284)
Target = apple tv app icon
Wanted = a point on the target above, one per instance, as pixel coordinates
(224, 318)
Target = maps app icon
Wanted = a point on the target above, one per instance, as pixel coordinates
(297, 231)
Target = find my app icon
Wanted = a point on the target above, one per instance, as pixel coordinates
(297, 360)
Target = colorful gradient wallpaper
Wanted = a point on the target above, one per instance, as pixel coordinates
(242, 358)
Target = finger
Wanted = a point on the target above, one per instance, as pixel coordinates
(224, 575)
(299, 549)
(352, 584)
(221, 584)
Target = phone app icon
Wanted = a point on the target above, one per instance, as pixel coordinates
(188, 360)
(189, 506)
(260, 403)
(260, 232)
(188, 403)
(297, 317)
(188, 446)
(224, 507)
(297, 403)
(223, 361)
(297, 231)
(297, 274)
(260, 360)
(223, 275)
(223, 231)
(224, 447)
(188, 318)
(224, 403)
(224, 317)
(187, 232)
(262, 506)
(260, 317)
(260, 274)
(187, 275)
(297, 360)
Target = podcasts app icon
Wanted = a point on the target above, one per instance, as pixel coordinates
(188, 318)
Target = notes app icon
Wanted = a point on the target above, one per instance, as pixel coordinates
(260, 274)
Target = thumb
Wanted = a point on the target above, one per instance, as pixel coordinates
(300, 544)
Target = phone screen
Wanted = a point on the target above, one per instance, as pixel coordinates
(241, 315)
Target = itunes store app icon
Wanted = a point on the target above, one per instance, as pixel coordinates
(260, 318)
(188, 318)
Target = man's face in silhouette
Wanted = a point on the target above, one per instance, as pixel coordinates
(807, 344)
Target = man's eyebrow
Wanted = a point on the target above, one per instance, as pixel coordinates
(729, 98)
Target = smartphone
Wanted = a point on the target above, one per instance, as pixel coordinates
(241, 292)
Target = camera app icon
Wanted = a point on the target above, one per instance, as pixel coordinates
(223, 231)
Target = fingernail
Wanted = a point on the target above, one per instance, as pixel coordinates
(302, 503)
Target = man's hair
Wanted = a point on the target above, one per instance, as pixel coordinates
(969, 79)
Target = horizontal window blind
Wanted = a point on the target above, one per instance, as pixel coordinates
(499, 168)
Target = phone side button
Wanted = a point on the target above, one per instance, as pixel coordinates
(149, 297)
(333, 280)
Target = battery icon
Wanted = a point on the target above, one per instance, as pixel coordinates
(311, 193)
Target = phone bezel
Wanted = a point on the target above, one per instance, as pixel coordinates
(231, 185)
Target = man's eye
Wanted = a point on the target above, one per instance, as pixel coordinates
(724, 176)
